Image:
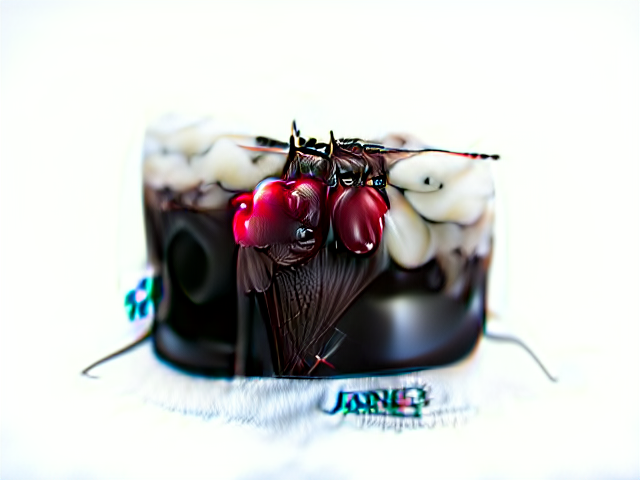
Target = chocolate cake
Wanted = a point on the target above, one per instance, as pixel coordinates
(315, 259)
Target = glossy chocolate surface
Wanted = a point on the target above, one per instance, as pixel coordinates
(328, 271)
(402, 321)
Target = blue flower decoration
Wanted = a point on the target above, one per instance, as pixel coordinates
(143, 300)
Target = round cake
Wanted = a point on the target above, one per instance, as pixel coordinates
(310, 258)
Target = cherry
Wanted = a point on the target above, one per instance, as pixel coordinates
(357, 215)
(283, 213)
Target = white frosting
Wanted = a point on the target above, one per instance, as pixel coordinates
(171, 170)
(236, 168)
(193, 158)
(411, 173)
(412, 241)
(407, 236)
(462, 198)
(184, 135)
(183, 154)
(212, 196)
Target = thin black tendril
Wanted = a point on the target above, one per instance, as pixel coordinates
(517, 341)
(115, 354)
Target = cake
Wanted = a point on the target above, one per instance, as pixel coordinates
(314, 259)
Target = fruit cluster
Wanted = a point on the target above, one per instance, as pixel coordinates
(338, 186)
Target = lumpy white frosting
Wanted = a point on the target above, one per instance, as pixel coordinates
(440, 202)
(234, 167)
(202, 161)
(412, 240)
(452, 210)
(457, 188)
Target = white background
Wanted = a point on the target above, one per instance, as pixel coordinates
(551, 86)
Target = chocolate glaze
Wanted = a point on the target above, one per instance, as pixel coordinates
(403, 320)
(196, 325)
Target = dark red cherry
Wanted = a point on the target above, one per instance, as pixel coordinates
(357, 215)
(285, 214)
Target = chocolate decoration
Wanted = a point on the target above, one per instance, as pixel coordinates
(276, 283)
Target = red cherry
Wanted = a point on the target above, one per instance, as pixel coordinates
(256, 223)
(283, 213)
(357, 214)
